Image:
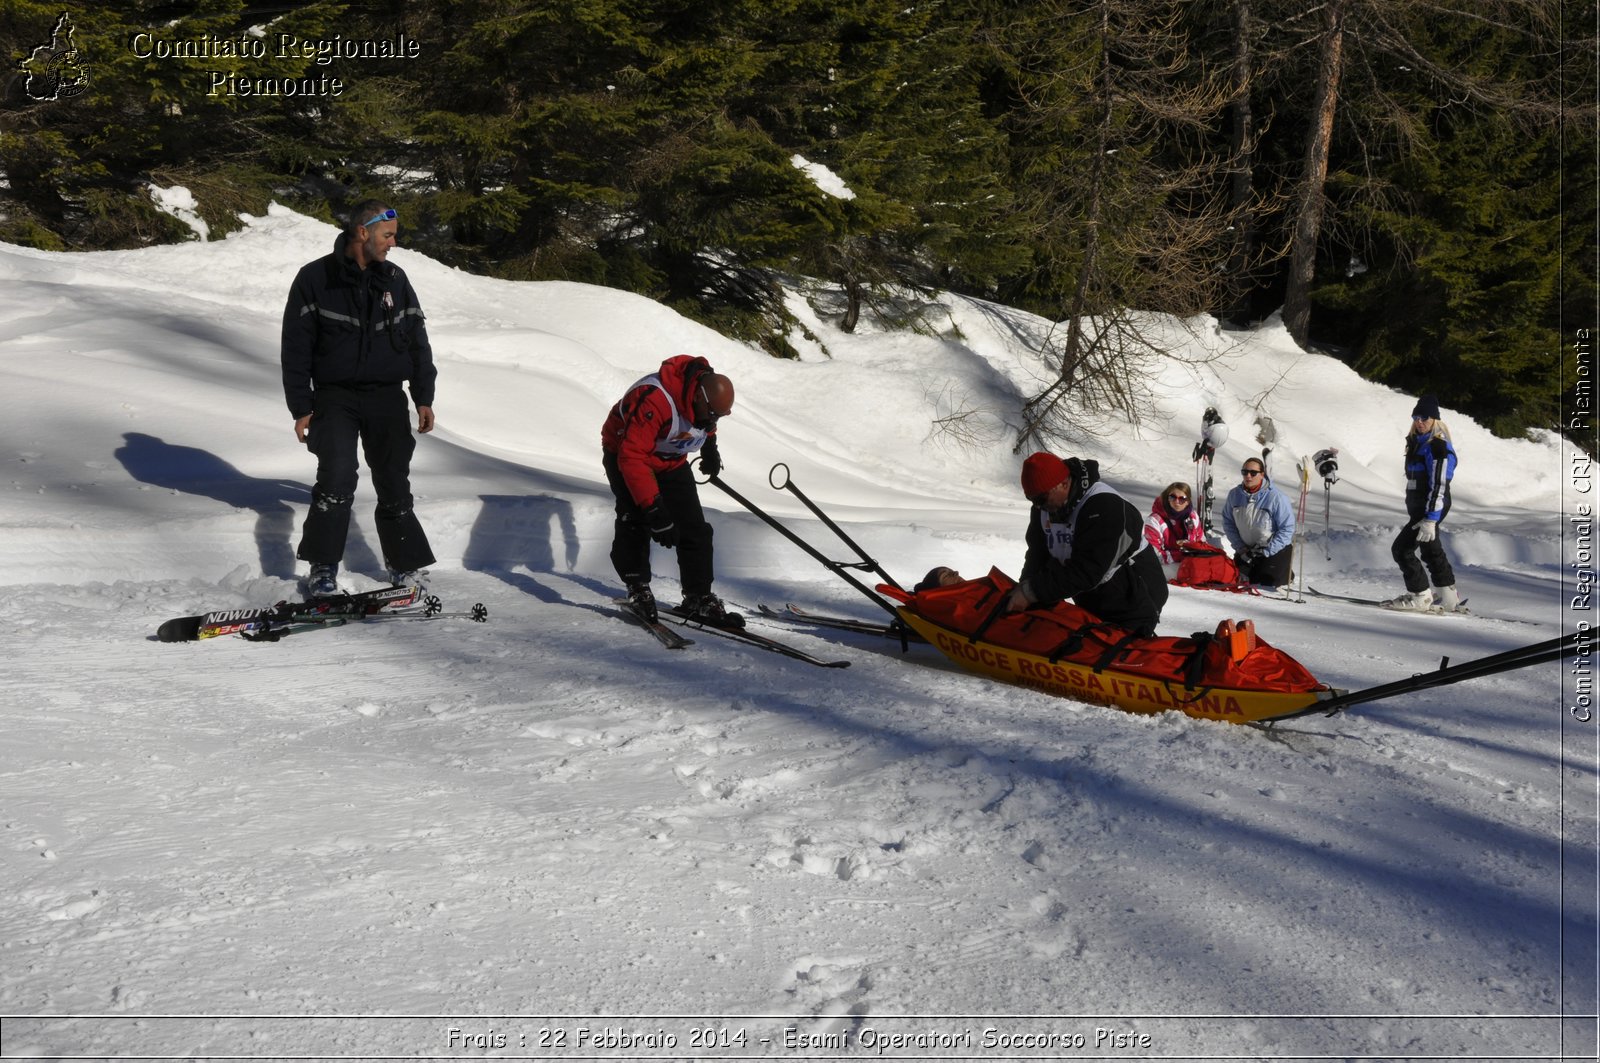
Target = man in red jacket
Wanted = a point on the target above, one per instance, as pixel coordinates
(648, 438)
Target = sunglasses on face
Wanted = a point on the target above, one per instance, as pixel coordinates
(705, 400)
(1249, 472)
(1175, 497)
(388, 215)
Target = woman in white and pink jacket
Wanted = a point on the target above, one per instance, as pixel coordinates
(1172, 520)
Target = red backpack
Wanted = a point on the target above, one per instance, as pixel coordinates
(1206, 566)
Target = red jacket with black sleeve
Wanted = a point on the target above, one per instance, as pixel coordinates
(651, 428)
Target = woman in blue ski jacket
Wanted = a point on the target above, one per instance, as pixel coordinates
(1430, 465)
(1258, 522)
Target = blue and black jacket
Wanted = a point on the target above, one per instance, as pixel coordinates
(1430, 465)
(352, 327)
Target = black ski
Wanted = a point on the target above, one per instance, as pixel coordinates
(794, 614)
(750, 638)
(664, 634)
(284, 615)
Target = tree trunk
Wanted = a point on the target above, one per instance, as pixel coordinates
(1072, 355)
(1308, 213)
(1036, 411)
(852, 313)
(1242, 145)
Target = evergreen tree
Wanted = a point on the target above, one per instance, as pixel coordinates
(888, 97)
(1462, 300)
(1124, 192)
(78, 165)
(1452, 212)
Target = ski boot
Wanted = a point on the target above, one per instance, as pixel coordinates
(417, 578)
(323, 582)
(1412, 602)
(641, 601)
(708, 609)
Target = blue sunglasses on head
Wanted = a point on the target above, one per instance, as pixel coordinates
(388, 215)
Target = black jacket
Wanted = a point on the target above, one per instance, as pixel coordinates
(1106, 532)
(1111, 571)
(347, 326)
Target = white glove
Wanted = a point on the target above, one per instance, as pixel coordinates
(1427, 530)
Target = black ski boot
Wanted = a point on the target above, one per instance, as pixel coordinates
(641, 601)
(708, 609)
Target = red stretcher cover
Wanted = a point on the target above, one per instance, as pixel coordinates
(1232, 658)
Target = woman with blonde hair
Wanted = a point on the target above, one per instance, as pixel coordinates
(1430, 465)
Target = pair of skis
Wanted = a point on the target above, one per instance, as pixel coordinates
(278, 621)
(794, 614)
(1213, 433)
(668, 635)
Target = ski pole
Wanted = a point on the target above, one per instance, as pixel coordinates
(833, 566)
(867, 562)
(1300, 536)
(1327, 519)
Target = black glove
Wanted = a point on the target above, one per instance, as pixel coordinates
(710, 457)
(662, 530)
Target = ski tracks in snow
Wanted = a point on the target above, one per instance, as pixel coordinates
(551, 808)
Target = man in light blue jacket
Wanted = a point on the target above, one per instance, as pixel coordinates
(1259, 524)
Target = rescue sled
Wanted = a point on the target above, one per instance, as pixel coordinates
(1230, 675)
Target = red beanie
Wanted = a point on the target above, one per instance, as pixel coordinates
(1041, 472)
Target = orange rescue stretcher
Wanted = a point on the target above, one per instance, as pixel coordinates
(1231, 675)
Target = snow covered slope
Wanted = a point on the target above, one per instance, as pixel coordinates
(547, 826)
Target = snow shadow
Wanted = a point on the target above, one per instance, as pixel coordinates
(534, 532)
(199, 472)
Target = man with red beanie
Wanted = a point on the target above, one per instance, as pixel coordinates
(648, 438)
(1086, 542)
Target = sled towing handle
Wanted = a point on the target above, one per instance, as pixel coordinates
(837, 567)
(1522, 657)
(866, 563)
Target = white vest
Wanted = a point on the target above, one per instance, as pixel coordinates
(1058, 537)
(682, 438)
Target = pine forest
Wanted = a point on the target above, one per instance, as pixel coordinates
(1411, 183)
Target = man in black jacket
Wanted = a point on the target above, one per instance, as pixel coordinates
(1086, 542)
(353, 336)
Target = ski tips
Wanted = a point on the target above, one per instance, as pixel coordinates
(180, 629)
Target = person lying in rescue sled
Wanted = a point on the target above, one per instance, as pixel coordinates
(647, 440)
(1086, 542)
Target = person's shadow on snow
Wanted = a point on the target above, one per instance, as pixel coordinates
(535, 532)
(200, 472)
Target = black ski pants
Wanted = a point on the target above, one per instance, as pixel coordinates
(630, 545)
(379, 418)
(1275, 570)
(1133, 597)
(1435, 564)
